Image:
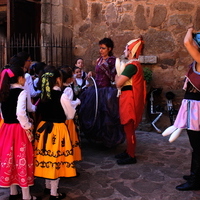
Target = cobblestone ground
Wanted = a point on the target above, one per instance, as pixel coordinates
(159, 169)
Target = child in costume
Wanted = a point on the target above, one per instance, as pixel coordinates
(80, 64)
(16, 150)
(29, 83)
(72, 123)
(53, 148)
(22, 61)
(132, 93)
(79, 84)
(189, 113)
(38, 69)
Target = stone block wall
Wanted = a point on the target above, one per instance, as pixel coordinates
(163, 25)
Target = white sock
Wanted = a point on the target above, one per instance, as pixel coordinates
(26, 193)
(54, 187)
(13, 190)
(48, 183)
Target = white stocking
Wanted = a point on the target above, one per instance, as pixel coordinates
(26, 193)
(13, 190)
(54, 187)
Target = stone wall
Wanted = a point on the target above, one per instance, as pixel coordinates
(163, 25)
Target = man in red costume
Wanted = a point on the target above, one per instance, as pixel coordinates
(132, 94)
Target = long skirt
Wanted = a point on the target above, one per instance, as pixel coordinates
(74, 139)
(53, 152)
(16, 157)
(101, 125)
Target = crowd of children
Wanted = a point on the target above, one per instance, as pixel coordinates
(38, 126)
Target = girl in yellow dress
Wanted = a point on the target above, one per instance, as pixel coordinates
(53, 149)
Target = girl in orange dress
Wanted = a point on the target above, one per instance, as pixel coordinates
(53, 148)
(73, 102)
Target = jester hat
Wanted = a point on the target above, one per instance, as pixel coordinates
(135, 46)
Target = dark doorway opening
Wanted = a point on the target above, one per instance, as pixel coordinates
(25, 20)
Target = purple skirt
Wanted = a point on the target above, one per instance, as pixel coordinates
(106, 128)
(189, 115)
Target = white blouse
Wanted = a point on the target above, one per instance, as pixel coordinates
(21, 108)
(29, 85)
(68, 104)
(30, 106)
(79, 81)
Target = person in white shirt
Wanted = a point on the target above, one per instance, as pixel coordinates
(22, 63)
(29, 82)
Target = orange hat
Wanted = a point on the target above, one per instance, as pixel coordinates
(135, 46)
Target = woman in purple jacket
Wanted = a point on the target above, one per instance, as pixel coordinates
(99, 116)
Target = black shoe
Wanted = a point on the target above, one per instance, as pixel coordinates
(129, 160)
(188, 186)
(15, 197)
(187, 177)
(60, 196)
(122, 155)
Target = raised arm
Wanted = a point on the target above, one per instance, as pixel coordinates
(191, 46)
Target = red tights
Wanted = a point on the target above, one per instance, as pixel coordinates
(130, 138)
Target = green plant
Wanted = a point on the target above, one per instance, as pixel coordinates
(147, 74)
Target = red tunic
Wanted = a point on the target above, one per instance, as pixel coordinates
(131, 102)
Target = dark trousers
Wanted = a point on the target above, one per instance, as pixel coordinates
(194, 138)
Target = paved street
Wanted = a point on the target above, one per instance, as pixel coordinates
(159, 169)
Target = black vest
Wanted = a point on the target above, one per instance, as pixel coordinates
(52, 110)
(10, 105)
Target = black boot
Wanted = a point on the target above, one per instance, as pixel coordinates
(127, 160)
(187, 177)
(193, 182)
